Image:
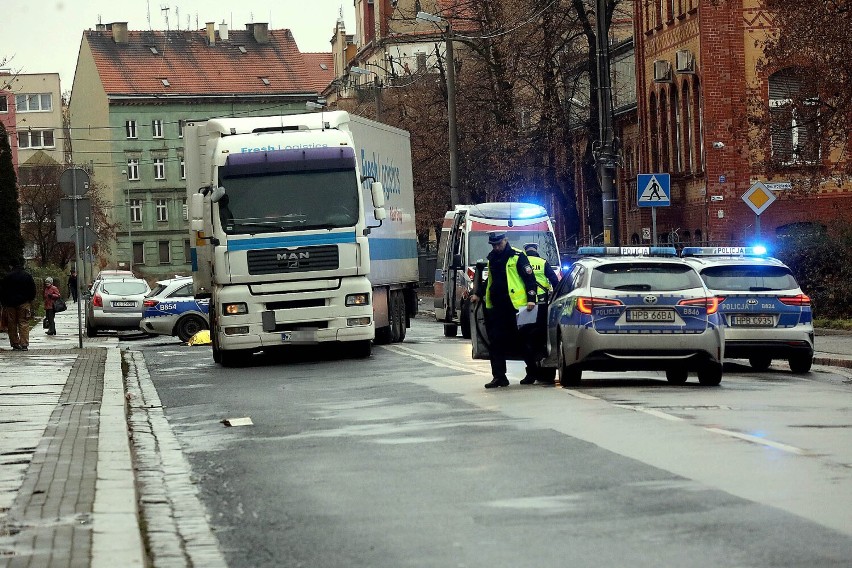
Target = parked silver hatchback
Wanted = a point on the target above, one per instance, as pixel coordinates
(115, 304)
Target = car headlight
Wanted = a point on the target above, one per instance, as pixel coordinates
(235, 309)
(358, 299)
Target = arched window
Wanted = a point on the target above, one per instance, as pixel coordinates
(677, 153)
(654, 144)
(665, 164)
(793, 129)
(698, 124)
(688, 129)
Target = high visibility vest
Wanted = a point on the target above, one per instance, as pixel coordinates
(538, 265)
(517, 289)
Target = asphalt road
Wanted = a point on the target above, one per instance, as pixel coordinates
(405, 460)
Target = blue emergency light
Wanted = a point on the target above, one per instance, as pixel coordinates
(627, 251)
(758, 250)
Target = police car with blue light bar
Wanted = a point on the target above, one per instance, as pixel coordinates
(634, 308)
(766, 313)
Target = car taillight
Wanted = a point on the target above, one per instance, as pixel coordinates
(97, 301)
(800, 300)
(711, 303)
(150, 303)
(585, 304)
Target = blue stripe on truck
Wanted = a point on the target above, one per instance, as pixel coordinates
(260, 243)
(390, 249)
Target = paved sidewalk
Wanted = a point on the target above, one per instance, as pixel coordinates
(67, 488)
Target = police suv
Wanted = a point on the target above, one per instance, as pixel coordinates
(634, 308)
(766, 314)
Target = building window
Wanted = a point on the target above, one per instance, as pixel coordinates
(185, 210)
(794, 126)
(157, 128)
(136, 210)
(33, 139)
(677, 144)
(162, 210)
(165, 257)
(159, 168)
(181, 124)
(130, 128)
(38, 102)
(138, 253)
(689, 128)
(133, 169)
(4, 105)
(421, 62)
(182, 168)
(187, 252)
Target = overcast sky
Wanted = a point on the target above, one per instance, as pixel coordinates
(44, 37)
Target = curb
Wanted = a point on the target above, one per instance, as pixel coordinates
(833, 362)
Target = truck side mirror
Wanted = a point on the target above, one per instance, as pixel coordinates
(196, 207)
(381, 213)
(218, 193)
(378, 193)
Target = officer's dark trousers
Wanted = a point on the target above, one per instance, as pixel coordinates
(505, 341)
(534, 337)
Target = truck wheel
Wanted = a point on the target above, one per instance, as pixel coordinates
(450, 329)
(361, 349)
(464, 320)
(234, 357)
(401, 316)
(393, 316)
(383, 335)
(710, 375)
(189, 326)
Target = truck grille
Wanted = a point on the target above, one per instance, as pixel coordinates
(302, 259)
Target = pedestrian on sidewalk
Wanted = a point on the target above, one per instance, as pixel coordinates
(16, 294)
(51, 293)
(72, 285)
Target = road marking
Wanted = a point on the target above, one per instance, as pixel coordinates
(450, 364)
(761, 441)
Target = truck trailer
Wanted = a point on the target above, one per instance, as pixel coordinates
(301, 231)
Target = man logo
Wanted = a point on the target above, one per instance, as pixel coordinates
(292, 258)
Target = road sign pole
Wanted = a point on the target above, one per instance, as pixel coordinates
(654, 226)
(757, 226)
(77, 258)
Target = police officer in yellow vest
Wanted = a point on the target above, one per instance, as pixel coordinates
(511, 286)
(536, 334)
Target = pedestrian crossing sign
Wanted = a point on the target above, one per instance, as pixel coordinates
(653, 190)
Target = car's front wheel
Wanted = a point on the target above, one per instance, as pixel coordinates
(188, 326)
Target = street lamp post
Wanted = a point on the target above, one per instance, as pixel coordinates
(606, 159)
(451, 103)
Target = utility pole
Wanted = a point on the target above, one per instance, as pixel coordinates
(605, 157)
(451, 118)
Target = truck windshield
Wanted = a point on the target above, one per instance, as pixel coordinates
(288, 201)
(478, 247)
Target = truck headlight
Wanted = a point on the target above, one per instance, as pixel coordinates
(358, 299)
(235, 309)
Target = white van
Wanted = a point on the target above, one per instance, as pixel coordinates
(464, 241)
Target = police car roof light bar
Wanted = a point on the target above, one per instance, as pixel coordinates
(627, 251)
(724, 251)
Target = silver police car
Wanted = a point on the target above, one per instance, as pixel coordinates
(634, 308)
(766, 313)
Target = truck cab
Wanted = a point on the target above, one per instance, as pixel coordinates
(464, 241)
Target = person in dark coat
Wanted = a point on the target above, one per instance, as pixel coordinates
(72, 285)
(16, 294)
(511, 286)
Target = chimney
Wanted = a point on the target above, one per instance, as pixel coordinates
(260, 30)
(211, 33)
(223, 31)
(100, 27)
(119, 31)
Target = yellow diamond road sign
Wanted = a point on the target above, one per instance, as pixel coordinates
(758, 197)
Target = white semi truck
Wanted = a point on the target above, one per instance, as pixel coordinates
(301, 231)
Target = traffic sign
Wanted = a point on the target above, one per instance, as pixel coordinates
(758, 197)
(66, 210)
(653, 190)
(74, 181)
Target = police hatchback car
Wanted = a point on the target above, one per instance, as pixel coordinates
(171, 309)
(634, 308)
(766, 314)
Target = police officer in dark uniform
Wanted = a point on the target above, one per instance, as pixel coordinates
(511, 286)
(536, 334)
